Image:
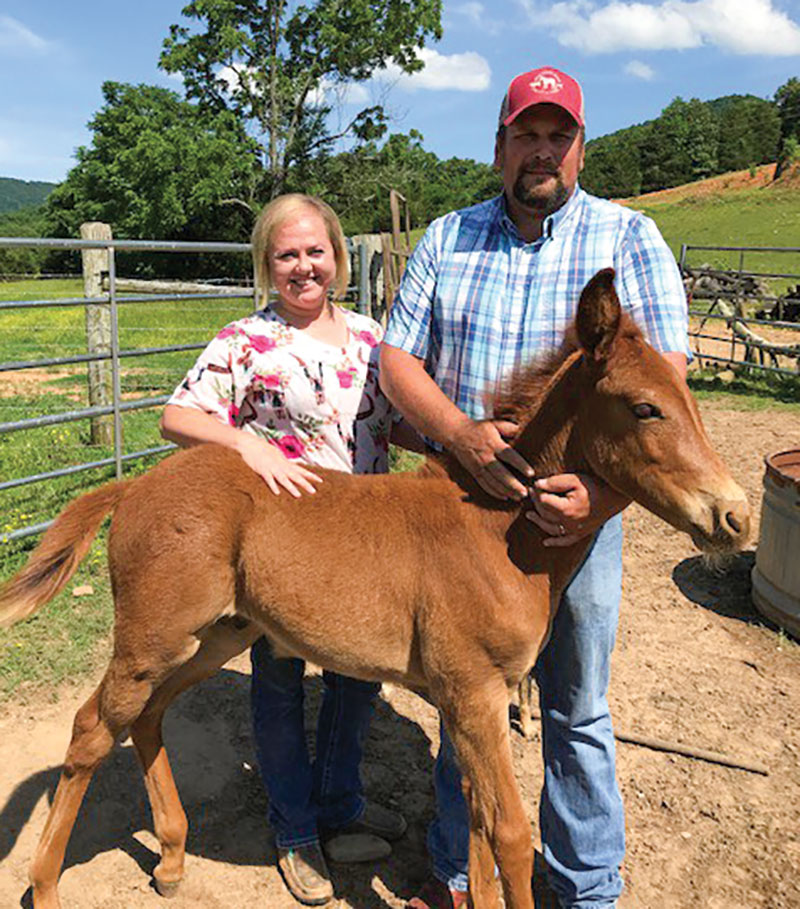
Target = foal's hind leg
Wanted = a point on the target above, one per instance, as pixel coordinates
(478, 726)
(114, 705)
(222, 642)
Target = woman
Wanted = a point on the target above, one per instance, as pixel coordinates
(293, 386)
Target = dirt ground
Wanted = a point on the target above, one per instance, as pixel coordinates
(693, 664)
(762, 176)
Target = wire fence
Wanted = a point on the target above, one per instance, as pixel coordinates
(45, 370)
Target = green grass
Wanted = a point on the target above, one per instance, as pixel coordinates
(64, 641)
(746, 389)
(768, 216)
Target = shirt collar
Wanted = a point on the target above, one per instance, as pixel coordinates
(551, 222)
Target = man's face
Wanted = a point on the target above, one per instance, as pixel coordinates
(540, 155)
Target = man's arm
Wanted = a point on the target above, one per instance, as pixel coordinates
(678, 361)
(479, 445)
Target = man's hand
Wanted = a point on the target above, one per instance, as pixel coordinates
(481, 446)
(570, 506)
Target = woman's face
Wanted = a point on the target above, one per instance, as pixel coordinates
(302, 263)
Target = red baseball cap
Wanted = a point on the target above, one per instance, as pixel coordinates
(545, 85)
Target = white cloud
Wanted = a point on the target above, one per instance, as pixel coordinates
(738, 26)
(639, 70)
(339, 93)
(232, 77)
(475, 14)
(467, 72)
(328, 92)
(14, 36)
(746, 26)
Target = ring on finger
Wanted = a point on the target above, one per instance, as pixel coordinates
(562, 530)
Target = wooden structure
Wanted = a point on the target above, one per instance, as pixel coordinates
(776, 574)
(98, 330)
(395, 251)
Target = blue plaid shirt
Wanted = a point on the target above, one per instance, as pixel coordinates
(477, 301)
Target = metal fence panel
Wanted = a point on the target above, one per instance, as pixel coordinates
(113, 299)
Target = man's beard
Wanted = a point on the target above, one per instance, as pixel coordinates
(541, 201)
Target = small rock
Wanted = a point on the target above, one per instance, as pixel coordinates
(84, 590)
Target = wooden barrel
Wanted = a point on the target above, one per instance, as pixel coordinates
(776, 574)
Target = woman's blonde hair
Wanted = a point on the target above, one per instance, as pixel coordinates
(278, 212)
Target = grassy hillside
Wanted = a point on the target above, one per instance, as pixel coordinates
(17, 194)
(736, 209)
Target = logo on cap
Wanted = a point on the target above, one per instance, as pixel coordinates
(547, 83)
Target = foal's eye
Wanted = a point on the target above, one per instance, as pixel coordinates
(646, 411)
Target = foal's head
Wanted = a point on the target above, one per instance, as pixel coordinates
(640, 430)
(616, 408)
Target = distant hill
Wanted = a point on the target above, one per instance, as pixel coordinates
(690, 140)
(742, 208)
(17, 194)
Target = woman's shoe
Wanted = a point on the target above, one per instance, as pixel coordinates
(306, 874)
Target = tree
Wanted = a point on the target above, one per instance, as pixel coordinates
(158, 167)
(357, 182)
(23, 222)
(681, 145)
(613, 167)
(267, 61)
(702, 140)
(749, 132)
(663, 149)
(787, 97)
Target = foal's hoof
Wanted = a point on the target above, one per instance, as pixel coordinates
(167, 889)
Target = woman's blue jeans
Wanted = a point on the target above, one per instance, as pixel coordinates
(581, 814)
(304, 795)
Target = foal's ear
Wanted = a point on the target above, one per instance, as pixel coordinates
(599, 314)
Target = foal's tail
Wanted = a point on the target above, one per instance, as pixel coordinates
(59, 553)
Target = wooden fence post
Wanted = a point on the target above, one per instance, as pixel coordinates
(98, 330)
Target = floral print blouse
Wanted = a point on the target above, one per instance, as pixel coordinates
(315, 401)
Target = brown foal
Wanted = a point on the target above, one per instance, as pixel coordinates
(420, 579)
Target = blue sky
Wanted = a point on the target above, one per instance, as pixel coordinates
(632, 59)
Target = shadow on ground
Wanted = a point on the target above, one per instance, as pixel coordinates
(726, 591)
(207, 734)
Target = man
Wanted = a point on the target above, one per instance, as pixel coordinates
(487, 289)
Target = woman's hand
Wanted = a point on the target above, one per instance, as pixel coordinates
(270, 463)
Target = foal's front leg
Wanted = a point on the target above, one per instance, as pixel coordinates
(477, 723)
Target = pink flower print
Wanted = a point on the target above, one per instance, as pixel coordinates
(273, 380)
(233, 413)
(346, 377)
(368, 338)
(226, 332)
(261, 343)
(291, 446)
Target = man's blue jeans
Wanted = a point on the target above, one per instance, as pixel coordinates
(304, 796)
(581, 815)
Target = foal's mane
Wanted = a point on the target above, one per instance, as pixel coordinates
(521, 392)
